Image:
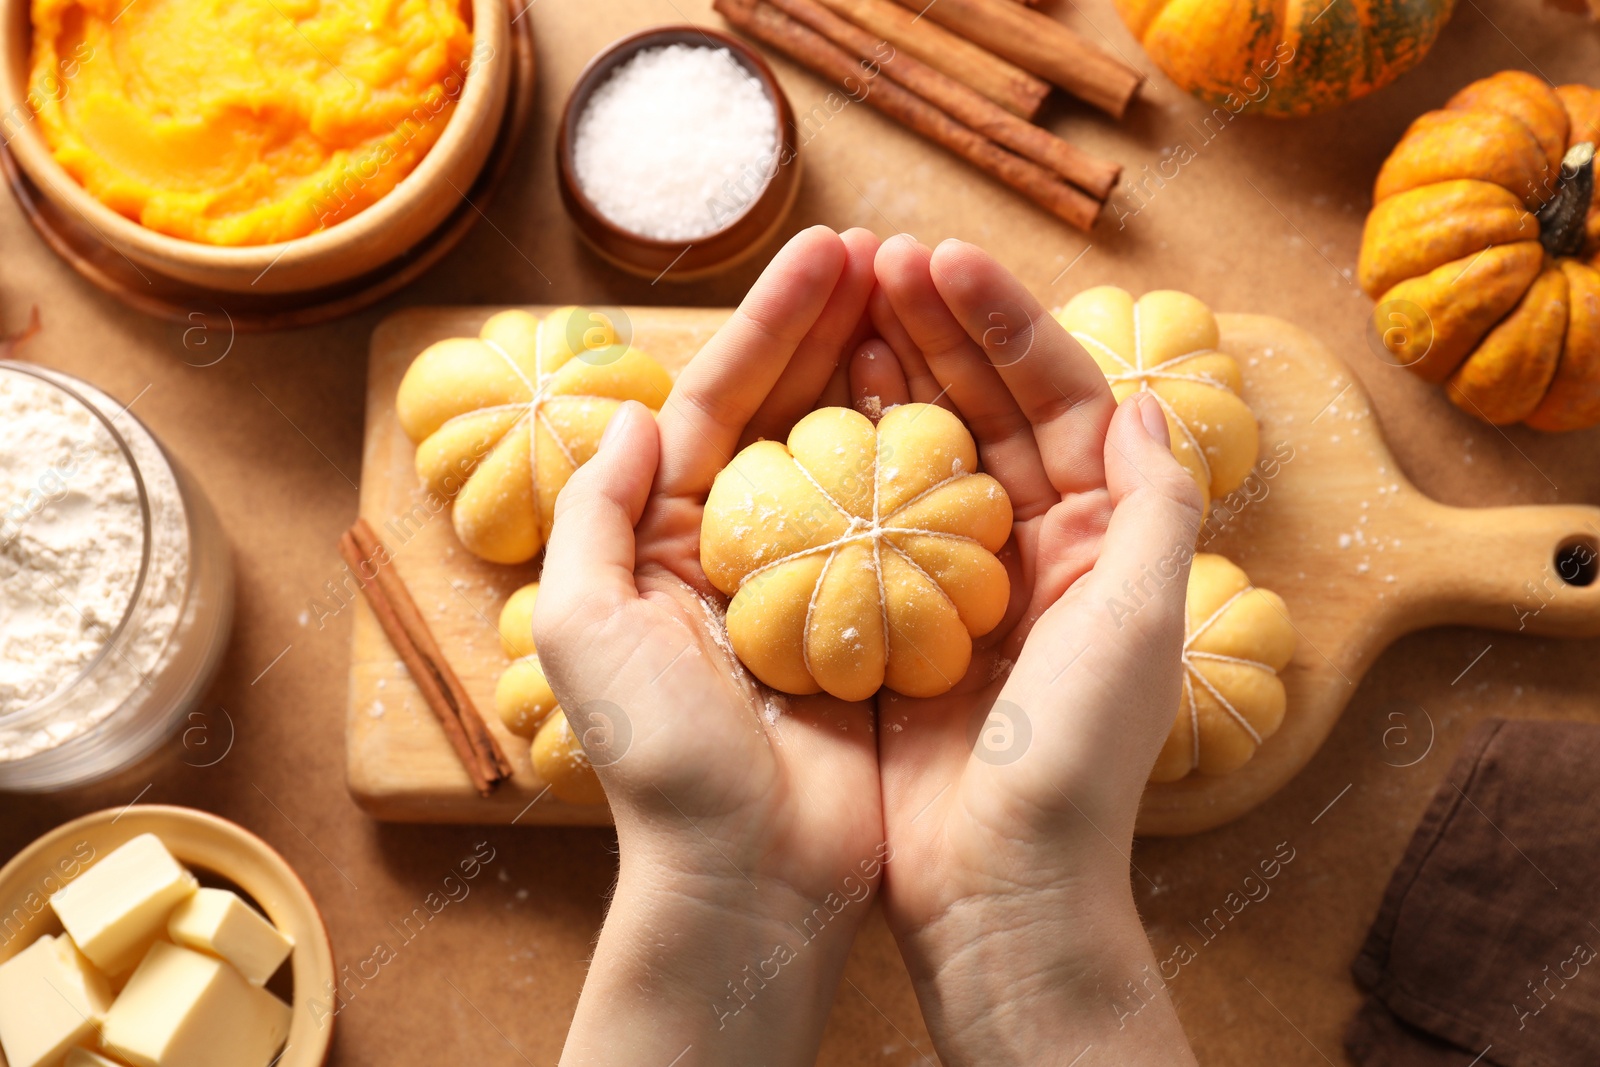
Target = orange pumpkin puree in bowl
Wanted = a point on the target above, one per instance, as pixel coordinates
(244, 122)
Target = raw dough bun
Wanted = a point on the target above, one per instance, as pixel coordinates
(523, 697)
(850, 531)
(1236, 640)
(528, 708)
(467, 403)
(516, 622)
(560, 760)
(1165, 344)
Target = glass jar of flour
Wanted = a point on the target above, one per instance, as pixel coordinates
(116, 585)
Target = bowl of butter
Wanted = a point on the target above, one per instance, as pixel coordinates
(155, 936)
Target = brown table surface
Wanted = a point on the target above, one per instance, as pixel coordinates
(1265, 217)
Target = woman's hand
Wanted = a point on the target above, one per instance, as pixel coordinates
(749, 825)
(1009, 802)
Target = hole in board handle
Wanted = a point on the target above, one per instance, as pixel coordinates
(1577, 560)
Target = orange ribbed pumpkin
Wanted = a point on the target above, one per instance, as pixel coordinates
(1481, 251)
(1284, 57)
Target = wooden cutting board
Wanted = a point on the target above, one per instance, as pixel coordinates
(400, 767)
(1328, 521)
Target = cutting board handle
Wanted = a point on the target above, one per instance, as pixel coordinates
(1533, 569)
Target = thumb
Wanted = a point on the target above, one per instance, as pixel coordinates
(1140, 583)
(1142, 574)
(588, 564)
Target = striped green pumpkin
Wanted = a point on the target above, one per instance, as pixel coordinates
(1284, 57)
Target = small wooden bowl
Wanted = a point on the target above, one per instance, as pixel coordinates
(360, 244)
(650, 257)
(219, 853)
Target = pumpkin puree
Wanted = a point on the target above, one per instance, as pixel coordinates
(244, 122)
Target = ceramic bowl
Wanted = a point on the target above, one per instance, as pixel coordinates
(360, 244)
(220, 854)
(679, 260)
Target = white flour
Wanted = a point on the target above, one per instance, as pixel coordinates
(72, 541)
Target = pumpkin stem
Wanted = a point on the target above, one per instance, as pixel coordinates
(1561, 220)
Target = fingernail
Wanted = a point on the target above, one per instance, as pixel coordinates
(614, 427)
(1154, 420)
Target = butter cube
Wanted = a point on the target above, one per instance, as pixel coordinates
(218, 922)
(185, 1009)
(82, 1057)
(51, 998)
(117, 907)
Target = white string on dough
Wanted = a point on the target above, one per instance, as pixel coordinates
(1138, 372)
(811, 608)
(536, 390)
(1193, 673)
(858, 530)
(877, 543)
(531, 410)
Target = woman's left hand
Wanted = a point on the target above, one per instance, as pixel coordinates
(749, 824)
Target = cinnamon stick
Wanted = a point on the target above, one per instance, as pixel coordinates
(981, 70)
(1038, 43)
(1094, 175)
(811, 50)
(397, 613)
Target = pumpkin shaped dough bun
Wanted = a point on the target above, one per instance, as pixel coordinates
(502, 420)
(1236, 638)
(1165, 344)
(528, 708)
(859, 556)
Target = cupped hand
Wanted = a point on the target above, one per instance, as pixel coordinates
(745, 821)
(1009, 802)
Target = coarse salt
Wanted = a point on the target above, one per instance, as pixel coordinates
(677, 142)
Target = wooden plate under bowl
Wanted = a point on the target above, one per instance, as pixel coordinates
(219, 853)
(75, 240)
(1359, 555)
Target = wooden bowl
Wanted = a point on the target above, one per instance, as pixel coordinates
(650, 257)
(72, 238)
(412, 210)
(219, 853)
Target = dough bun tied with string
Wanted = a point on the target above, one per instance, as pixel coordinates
(528, 708)
(1236, 639)
(859, 556)
(1165, 344)
(502, 420)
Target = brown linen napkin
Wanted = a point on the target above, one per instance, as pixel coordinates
(1486, 949)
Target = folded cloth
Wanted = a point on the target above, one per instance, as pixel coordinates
(1486, 949)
